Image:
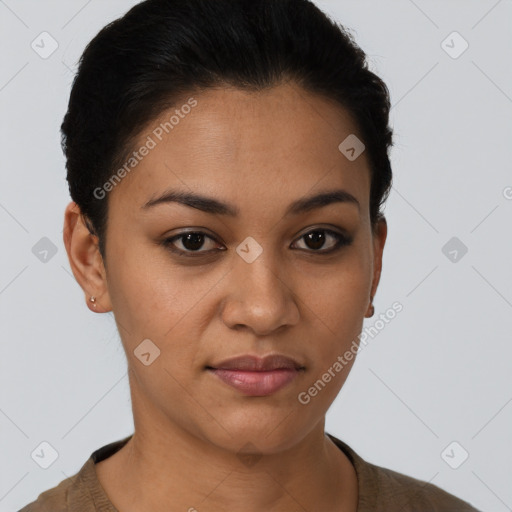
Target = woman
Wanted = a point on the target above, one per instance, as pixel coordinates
(228, 162)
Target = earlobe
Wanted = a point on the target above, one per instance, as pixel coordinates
(85, 259)
(371, 309)
(379, 240)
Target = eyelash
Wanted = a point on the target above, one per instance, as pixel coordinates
(342, 241)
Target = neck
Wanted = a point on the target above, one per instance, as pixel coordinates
(164, 464)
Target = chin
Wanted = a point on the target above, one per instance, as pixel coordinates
(257, 434)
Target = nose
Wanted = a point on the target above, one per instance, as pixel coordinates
(260, 297)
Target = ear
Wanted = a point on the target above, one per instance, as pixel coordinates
(379, 240)
(85, 259)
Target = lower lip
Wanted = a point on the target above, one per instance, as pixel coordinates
(257, 383)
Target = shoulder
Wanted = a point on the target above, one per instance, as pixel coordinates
(52, 500)
(79, 492)
(410, 493)
(385, 490)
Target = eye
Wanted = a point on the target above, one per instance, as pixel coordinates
(317, 238)
(190, 242)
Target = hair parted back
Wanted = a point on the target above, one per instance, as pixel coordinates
(160, 51)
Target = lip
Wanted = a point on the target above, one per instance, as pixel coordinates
(249, 362)
(255, 376)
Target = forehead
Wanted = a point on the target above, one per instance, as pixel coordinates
(277, 144)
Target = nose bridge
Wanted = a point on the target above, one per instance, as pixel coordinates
(256, 260)
(260, 297)
(261, 275)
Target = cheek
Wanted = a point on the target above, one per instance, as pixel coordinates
(164, 302)
(338, 296)
(336, 304)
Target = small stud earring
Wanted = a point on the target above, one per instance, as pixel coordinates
(93, 300)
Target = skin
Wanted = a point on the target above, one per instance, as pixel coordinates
(259, 152)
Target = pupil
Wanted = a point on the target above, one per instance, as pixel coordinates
(193, 241)
(318, 239)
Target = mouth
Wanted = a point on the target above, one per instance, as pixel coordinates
(255, 376)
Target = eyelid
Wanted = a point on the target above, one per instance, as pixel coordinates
(169, 241)
(342, 240)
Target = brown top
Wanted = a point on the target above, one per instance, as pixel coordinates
(380, 489)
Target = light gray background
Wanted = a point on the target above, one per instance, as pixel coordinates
(439, 372)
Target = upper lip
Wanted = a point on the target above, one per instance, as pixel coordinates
(254, 363)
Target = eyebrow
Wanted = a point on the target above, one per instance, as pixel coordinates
(217, 207)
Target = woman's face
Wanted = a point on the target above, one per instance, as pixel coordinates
(255, 282)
